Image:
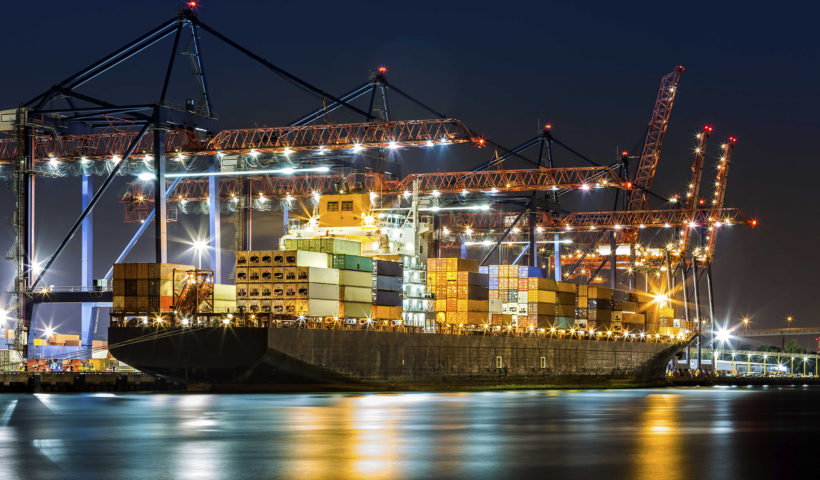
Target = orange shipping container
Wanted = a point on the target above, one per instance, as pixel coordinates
(522, 284)
(452, 304)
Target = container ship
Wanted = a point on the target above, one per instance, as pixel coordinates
(351, 300)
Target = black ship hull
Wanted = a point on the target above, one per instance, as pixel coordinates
(249, 358)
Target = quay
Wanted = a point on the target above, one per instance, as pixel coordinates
(33, 382)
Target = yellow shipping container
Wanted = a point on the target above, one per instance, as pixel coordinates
(542, 296)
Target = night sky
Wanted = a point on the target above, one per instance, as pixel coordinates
(504, 68)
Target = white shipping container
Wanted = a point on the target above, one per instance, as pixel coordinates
(496, 306)
(522, 296)
(325, 291)
(357, 294)
(323, 275)
(351, 278)
(224, 292)
(323, 308)
(302, 258)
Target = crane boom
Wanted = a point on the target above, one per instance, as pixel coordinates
(720, 193)
(693, 189)
(648, 163)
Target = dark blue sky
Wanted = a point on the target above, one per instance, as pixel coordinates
(591, 68)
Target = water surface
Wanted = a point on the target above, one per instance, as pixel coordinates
(728, 433)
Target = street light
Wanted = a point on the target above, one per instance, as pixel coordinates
(789, 319)
(746, 323)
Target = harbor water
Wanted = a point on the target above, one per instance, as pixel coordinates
(681, 433)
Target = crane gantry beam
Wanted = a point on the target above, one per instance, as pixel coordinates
(588, 221)
(300, 186)
(318, 138)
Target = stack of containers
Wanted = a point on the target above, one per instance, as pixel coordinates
(472, 293)
(461, 292)
(387, 290)
(356, 280)
(565, 305)
(416, 303)
(581, 306)
(648, 307)
(522, 285)
(542, 294)
(631, 316)
(145, 288)
(599, 307)
(307, 285)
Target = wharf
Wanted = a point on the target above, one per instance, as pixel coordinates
(82, 382)
(740, 381)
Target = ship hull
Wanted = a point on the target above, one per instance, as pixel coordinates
(299, 359)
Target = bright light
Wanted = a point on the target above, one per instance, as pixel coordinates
(287, 151)
(226, 321)
(493, 190)
(199, 245)
(435, 193)
(185, 322)
(146, 176)
(84, 160)
(468, 231)
(406, 194)
(429, 143)
(53, 161)
(48, 332)
(316, 196)
(288, 198)
(445, 231)
(116, 159)
(287, 170)
(487, 243)
(36, 268)
(723, 335)
(252, 153)
(357, 148)
(322, 150)
(393, 145)
(584, 187)
(464, 192)
(539, 229)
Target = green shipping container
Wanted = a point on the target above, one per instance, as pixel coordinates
(564, 322)
(352, 262)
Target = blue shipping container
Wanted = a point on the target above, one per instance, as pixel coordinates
(527, 272)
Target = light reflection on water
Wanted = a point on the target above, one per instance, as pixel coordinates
(644, 434)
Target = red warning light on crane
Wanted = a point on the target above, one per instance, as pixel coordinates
(708, 128)
(548, 126)
(624, 153)
(382, 69)
(481, 142)
(754, 222)
(732, 139)
(192, 4)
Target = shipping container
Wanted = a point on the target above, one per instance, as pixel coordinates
(356, 294)
(300, 258)
(386, 268)
(382, 312)
(356, 309)
(393, 284)
(387, 298)
(352, 262)
(534, 283)
(528, 272)
(354, 278)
